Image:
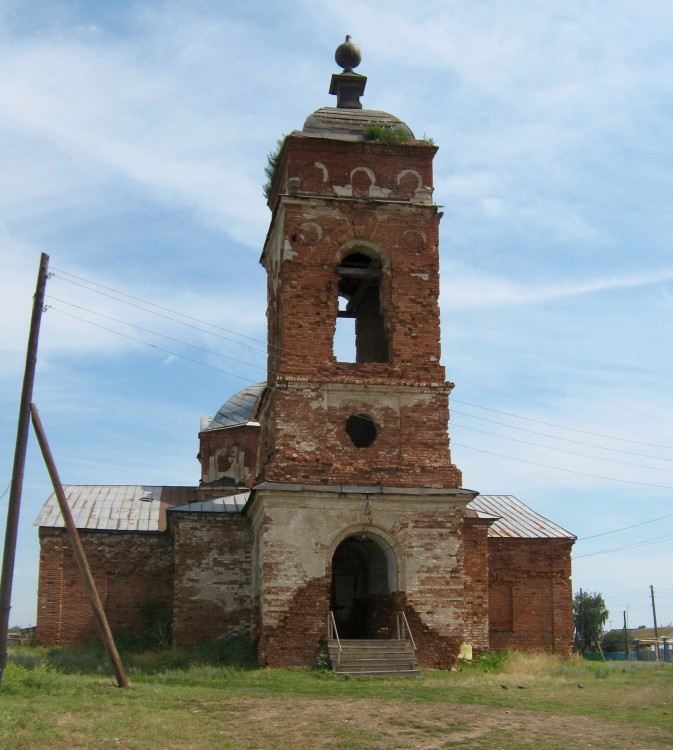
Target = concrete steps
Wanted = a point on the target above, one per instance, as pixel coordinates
(381, 658)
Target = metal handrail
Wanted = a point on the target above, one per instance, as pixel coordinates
(333, 634)
(402, 628)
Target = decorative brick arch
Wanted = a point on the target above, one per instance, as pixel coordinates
(313, 173)
(368, 247)
(362, 180)
(386, 542)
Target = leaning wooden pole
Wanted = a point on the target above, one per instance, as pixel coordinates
(14, 503)
(78, 549)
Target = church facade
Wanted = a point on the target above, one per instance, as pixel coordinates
(328, 495)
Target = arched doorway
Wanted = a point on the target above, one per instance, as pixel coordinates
(364, 576)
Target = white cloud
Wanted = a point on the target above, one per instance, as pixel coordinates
(463, 288)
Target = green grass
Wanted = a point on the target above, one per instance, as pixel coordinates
(391, 134)
(64, 698)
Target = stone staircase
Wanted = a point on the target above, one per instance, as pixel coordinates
(376, 658)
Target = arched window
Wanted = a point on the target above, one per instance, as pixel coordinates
(360, 301)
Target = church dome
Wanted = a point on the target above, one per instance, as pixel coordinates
(240, 409)
(348, 124)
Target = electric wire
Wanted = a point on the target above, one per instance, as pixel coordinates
(56, 272)
(554, 437)
(154, 333)
(181, 322)
(569, 471)
(178, 355)
(153, 346)
(247, 380)
(647, 543)
(626, 528)
(455, 411)
(563, 427)
(558, 450)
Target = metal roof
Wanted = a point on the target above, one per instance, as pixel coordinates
(126, 507)
(240, 409)
(227, 504)
(143, 508)
(515, 519)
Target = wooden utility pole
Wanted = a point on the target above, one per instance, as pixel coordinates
(14, 502)
(78, 549)
(656, 631)
(626, 638)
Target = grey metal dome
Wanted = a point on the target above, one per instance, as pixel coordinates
(240, 409)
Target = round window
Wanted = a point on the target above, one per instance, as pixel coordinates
(361, 429)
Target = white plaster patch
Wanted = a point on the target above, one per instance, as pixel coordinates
(423, 195)
(378, 192)
(288, 252)
(311, 232)
(422, 276)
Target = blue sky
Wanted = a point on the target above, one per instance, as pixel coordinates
(133, 138)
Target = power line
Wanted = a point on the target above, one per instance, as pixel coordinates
(554, 437)
(647, 543)
(563, 427)
(56, 271)
(247, 380)
(167, 317)
(153, 346)
(560, 450)
(626, 528)
(154, 333)
(278, 350)
(569, 471)
(176, 354)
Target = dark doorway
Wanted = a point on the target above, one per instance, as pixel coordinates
(360, 592)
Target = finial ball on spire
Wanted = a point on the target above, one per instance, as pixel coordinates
(348, 55)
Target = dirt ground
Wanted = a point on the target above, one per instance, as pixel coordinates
(319, 723)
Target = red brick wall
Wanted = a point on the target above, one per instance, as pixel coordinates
(476, 583)
(229, 453)
(324, 215)
(307, 440)
(129, 569)
(213, 594)
(339, 158)
(530, 595)
(297, 639)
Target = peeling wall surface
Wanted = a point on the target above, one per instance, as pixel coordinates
(212, 576)
(302, 530)
(355, 504)
(229, 454)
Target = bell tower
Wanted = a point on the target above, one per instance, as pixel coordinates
(354, 420)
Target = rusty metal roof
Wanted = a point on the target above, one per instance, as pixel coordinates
(126, 507)
(515, 519)
(240, 409)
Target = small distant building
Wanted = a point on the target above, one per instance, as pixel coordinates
(644, 644)
(328, 490)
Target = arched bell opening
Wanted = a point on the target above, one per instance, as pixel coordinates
(364, 582)
(360, 316)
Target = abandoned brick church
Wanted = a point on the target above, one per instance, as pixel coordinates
(328, 502)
